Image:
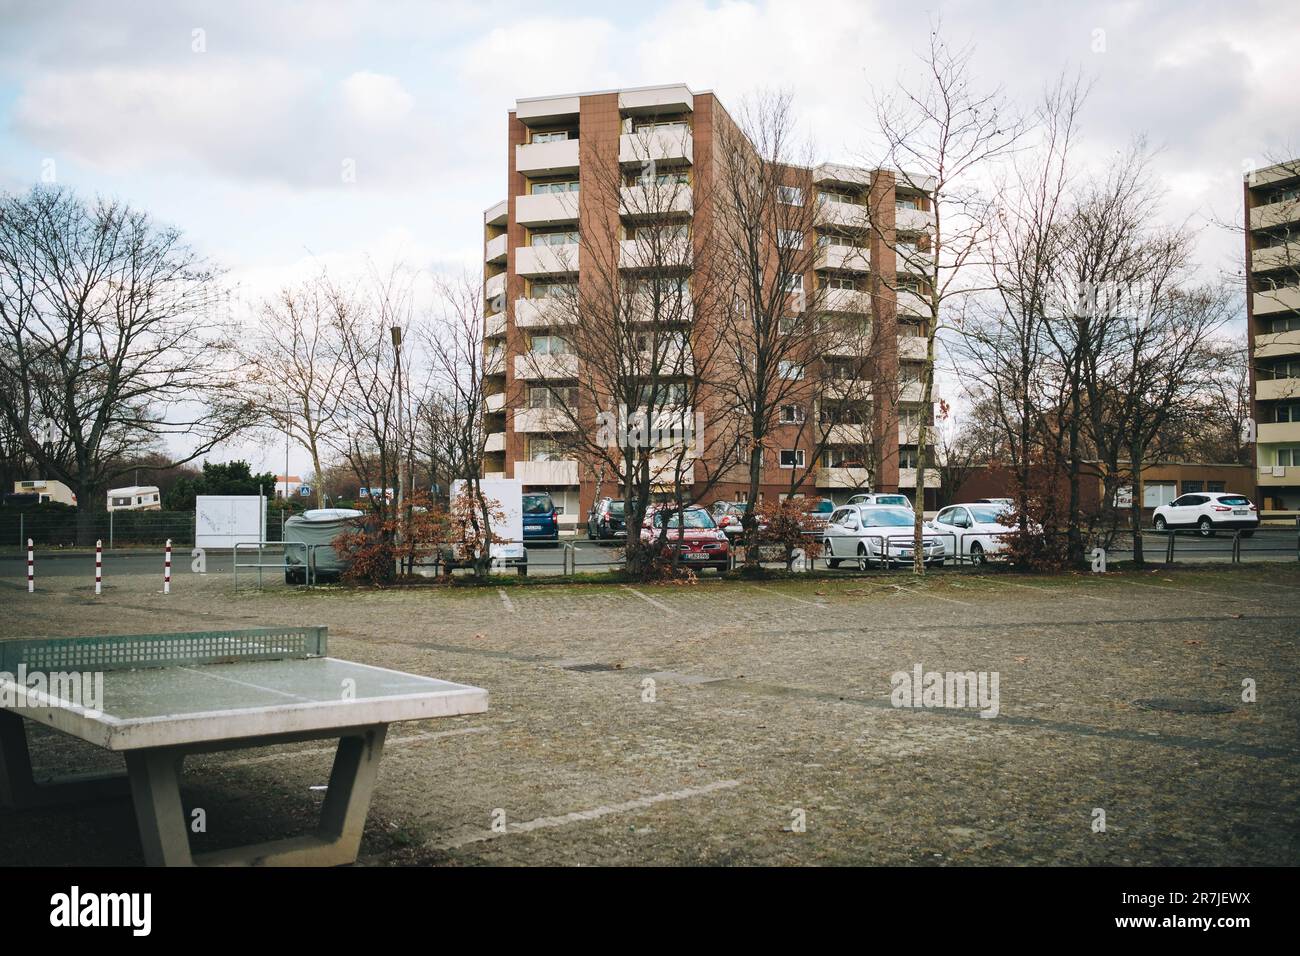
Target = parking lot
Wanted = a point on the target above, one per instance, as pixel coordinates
(751, 723)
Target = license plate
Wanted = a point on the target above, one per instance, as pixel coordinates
(1241, 512)
(532, 527)
(694, 556)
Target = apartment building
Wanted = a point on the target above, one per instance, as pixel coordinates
(537, 239)
(1272, 231)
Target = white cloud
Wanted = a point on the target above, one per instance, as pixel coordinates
(377, 100)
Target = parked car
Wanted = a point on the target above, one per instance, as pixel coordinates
(974, 531)
(541, 520)
(1209, 512)
(876, 534)
(606, 520)
(890, 498)
(729, 517)
(309, 554)
(816, 513)
(693, 532)
(1005, 502)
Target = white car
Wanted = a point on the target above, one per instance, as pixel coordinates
(898, 501)
(875, 534)
(974, 532)
(1209, 512)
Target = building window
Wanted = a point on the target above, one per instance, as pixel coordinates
(1286, 413)
(907, 202)
(790, 195)
(549, 345)
(544, 449)
(1190, 487)
(567, 186)
(792, 458)
(1215, 487)
(566, 237)
(1289, 457)
(907, 458)
(793, 283)
(552, 136)
(790, 238)
(541, 397)
(837, 282)
(553, 290)
(792, 415)
(790, 370)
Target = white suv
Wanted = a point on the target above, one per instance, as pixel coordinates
(1209, 512)
(898, 501)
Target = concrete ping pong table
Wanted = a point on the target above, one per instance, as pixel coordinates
(169, 695)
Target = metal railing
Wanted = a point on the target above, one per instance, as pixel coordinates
(282, 565)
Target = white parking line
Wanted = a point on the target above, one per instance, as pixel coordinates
(583, 816)
(925, 594)
(647, 598)
(1160, 587)
(789, 597)
(505, 599)
(1090, 597)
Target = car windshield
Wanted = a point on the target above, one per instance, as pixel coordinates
(892, 500)
(538, 505)
(616, 508)
(822, 507)
(887, 518)
(695, 518)
(987, 514)
(1234, 500)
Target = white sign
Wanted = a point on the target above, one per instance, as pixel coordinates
(222, 521)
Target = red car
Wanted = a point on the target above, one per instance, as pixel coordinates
(693, 532)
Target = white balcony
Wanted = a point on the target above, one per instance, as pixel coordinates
(496, 402)
(546, 260)
(496, 441)
(495, 249)
(545, 420)
(546, 209)
(497, 214)
(535, 365)
(541, 313)
(909, 434)
(1288, 432)
(494, 362)
(1275, 214)
(1276, 344)
(495, 286)
(563, 472)
(907, 477)
(843, 478)
(858, 390)
(845, 300)
(910, 303)
(545, 159)
(671, 98)
(495, 326)
(912, 347)
(1284, 256)
(1269, 389)
(910, 392)
(643, 202)
(914, 261)
(660, 144)
(907, 219)
(858, 435)
(851, 345)
(846, 214)
(493, 475)
(843, 258)
(1273, 301)
(838, 173)
(650, 253)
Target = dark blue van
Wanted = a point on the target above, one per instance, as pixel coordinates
(541, 521)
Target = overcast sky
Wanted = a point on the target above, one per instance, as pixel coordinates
(234, 120)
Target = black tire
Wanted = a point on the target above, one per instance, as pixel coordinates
(1161, 524)
(294, 577)
(1248, 534)
(864, 561)
(1205, 528)
(830, 562)
(976, 553)
(523, 570)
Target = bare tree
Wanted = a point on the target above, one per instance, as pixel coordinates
(110, 342)
(293, 370)
(940, 136)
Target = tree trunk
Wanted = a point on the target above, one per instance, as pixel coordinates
(922, 434)
(1135, 509)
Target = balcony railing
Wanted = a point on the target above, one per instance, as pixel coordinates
(1275, 214)
(495, 326)
(646, 202)
(907, 477)
(1272, 301)
(533, 365)
(912, 347)
(495, 250)
(845, 300)
(540, 313)
(495, 442)
(1275, 344)
(546, 260)
(542, 420)
(651, 253)
(563, 472)
(660, 144)
(495, 286)
(1271, 389)
(546, 209)
(547, 158)
(907, 219)
(843, 258)
(1279, 432)
(843, 478)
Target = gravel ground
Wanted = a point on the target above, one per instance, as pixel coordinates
(770, 738)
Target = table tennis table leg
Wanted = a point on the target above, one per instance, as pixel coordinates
(155, 784)
(156, 790)
(20, 790)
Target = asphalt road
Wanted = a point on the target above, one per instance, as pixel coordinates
(592, 556)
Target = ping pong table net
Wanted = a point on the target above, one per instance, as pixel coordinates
(137, 651)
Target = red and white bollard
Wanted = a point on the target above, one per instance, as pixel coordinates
(167, 569)
(31, 575)
(99, 567)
